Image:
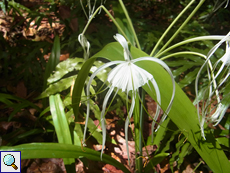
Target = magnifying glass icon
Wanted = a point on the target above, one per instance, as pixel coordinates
(9, 160)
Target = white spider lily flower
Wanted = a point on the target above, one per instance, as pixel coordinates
(85, 45)
(128, 77)
(213, 88)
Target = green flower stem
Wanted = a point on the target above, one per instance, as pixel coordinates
(197, 166)
(137, 136)
(170, 26)
(111, 17)
(141, 124)
(202, 38)
(130, 23)
(183, 53)
(180, 28)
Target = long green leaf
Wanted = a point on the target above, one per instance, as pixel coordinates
(79, 84)
(54, 150)
(21, 103)
(59, 119)
(61, 126)
(52, 62)
(5, 98)
(183, 113)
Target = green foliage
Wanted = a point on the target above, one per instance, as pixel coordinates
(21, 134)
(54, 150)
(158, 158)
(61, 127)
(53, 60)
(182, 149)
(64, 82)
(4, 5)
(16, 103)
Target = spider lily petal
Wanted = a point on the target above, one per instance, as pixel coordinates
(226, 4)
(213, 87)
(85, 45)
(216, 116)
(225, 59)
(124, 44)
(103, 118)
(173, 83)
(134, 78)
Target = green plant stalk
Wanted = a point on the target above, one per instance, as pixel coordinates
(183, 53)
(137, 136)
(194, 170)
(111, 17)
(202, 38)
(180, 28)
(141, 126)
(130, 23)
(170, 26)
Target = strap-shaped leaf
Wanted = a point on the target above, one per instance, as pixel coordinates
(61, 127)
(21, 103)
(53, 60)
(79, 84)
(59, 119)
(54, 150)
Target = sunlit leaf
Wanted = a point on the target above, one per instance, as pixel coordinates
(61, 127)
(57, 87)
(64, 68)
(54, 150)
